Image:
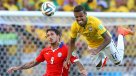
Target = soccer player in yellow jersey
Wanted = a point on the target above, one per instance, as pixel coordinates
(99, 40)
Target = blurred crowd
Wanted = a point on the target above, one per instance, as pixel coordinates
(68, 5)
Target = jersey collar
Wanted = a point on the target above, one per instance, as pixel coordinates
(60, 46)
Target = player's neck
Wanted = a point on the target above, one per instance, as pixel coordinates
(54, 45)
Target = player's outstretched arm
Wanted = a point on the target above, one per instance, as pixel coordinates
(81, 68)
(25, 66)
(71, 49)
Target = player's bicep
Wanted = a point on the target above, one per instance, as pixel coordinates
(40, 57)
(36, 63)
(106, 35)
(73, 31)
(99, 26)
(101, 29)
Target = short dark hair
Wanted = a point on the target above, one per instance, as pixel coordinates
(79, 8)
(55, 30)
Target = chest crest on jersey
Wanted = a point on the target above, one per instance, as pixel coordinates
(90, 28)
(59, 54)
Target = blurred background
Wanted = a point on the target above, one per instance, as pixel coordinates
(22, 35)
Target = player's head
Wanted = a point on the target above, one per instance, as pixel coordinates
(80, 15)
(53, 35)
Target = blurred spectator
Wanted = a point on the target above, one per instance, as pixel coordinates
(80, 1)
(118, 6)
(69, 5)
(38, 4)
(132, 5)
(28, 5)
(2, 6)
(102, 5)
(60, 2)
(11, 5)
(90, 5)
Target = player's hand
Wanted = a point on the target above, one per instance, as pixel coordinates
(94, 51)
(12, 69)
(66, 63)
(83, 73)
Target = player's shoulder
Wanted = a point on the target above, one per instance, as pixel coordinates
(74, 23)
(63, 45)
(45, 49)
(94, 20)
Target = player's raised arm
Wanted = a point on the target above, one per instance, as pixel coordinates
(25, 66)
(71, 49)
(81, 68)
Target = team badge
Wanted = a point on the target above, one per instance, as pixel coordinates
(100, 26)
(59, 54)
(90, 28)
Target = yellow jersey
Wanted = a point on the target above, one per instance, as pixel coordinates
(92, 31)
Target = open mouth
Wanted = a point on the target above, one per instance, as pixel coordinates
(80, 22)
(51, 40)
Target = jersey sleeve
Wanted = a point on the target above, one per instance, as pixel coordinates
(40, 57)
(74, 58)
(99, 26)
(73, 31)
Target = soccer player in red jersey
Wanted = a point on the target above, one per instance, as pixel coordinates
(54, 55)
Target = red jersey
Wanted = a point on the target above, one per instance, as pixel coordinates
(55, 60)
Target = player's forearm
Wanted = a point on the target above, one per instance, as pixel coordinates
(80, 66)
(104, 44)
(71, 48)
(28, 65)
(70, 52)
(107, 40)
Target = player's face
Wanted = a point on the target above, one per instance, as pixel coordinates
(80, 18)
(52, 37)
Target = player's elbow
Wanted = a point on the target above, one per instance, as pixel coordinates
(108, 40)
